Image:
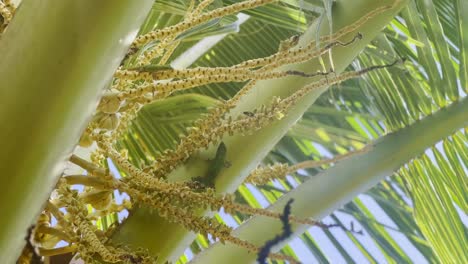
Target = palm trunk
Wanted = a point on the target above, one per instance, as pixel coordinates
(56, 57)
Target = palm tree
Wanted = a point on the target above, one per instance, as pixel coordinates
(402, 110)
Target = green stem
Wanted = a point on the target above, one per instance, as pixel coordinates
(167, 240)
(328, 191)
(57, 56)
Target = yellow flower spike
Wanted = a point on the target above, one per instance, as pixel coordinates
(203, 4)
(197, 20)
(6, 13)
(172, 47)
(89, 242)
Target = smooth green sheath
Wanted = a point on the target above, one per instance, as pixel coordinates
(168, 240)
(55, 59)
(327, 191)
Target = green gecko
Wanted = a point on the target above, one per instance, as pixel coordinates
(216, 165)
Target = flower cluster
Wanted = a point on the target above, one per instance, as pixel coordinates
(7, 10)
(177, 202)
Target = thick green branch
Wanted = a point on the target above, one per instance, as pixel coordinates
(57, 56)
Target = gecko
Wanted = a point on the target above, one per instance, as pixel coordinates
(216, 165)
